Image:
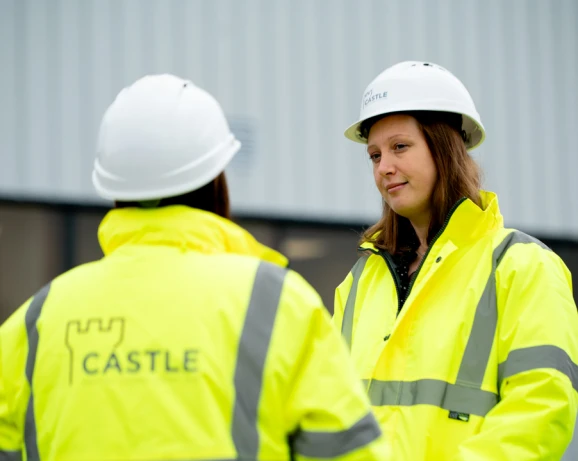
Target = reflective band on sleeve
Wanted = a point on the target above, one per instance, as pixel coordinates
(347, 325)
(317, 444)
(432, 392)
(253, 348)
(31, 319)
(10, 455)
(536, 357)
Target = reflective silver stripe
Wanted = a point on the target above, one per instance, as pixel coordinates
(519, 237)
(533, 358)
(253, 347)
(432, 392)
(316, 444)
(10, 455)
(347, 324)
(31, 319)
(479, 347)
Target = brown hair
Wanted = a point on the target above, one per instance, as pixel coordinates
(213, 197)
(458, 176)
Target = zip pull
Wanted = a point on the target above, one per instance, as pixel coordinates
(386, 338)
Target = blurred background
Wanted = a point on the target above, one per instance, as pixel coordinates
(290, 75)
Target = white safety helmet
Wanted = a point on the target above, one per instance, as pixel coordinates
(161, 137)
(419, 86)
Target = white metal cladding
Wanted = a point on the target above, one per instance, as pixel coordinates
(290, 74)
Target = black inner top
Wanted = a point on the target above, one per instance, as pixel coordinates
(403, 259)
(402, 263)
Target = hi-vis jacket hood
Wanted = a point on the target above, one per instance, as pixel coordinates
(480, 363)
(188, 340)
(181, 227)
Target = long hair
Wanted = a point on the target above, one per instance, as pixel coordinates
(213, 197)
(458, 176)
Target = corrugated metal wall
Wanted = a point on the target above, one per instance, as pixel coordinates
(290, 75)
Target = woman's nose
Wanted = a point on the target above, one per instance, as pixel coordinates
(386, 166)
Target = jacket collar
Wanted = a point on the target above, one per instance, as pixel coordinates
(182, 227)
(468, 222)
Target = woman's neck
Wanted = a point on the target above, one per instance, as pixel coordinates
(421, 228)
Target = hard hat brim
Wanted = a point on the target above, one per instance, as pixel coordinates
(474, 130)
(186, 179)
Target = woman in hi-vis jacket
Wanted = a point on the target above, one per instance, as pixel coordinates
(464, 332)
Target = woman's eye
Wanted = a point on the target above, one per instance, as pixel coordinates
(375, 157)
(400, 146)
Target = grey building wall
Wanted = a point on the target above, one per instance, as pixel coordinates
(290, 75)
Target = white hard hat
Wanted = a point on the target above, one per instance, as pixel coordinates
(161, 137)
(419, 86)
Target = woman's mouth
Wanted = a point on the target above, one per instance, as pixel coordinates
(391, 188)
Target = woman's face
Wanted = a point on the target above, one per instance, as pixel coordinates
(403, 168)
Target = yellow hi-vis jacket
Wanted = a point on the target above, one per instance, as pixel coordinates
(480, 363)
(187, 341)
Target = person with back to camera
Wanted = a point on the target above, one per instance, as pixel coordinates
(189, 340)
